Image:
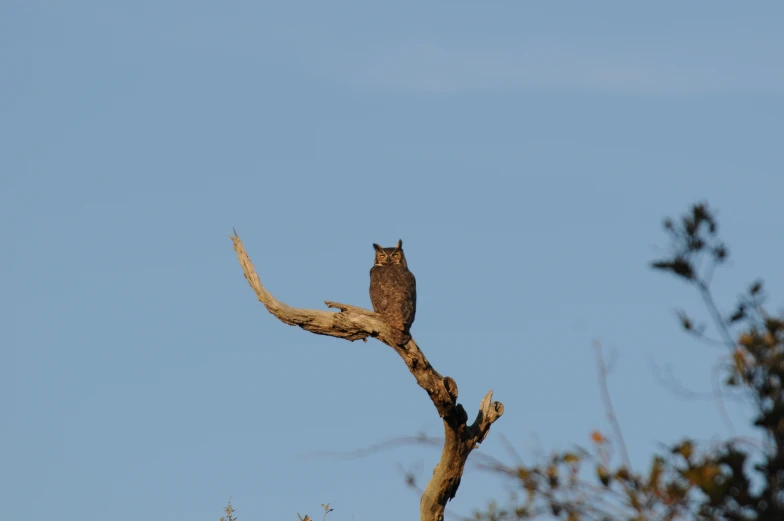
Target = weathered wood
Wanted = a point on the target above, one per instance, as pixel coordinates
(355, 323)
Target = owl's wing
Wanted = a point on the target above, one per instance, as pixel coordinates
(379, 290)
(408, 290)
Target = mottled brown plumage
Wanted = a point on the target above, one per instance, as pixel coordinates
(393, 289)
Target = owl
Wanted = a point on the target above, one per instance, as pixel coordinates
(393, 290)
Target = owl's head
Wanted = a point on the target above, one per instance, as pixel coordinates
(390, 256)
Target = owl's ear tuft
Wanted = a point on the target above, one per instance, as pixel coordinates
(399, 244)
(378, 248)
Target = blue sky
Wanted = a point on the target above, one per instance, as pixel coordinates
(524, 152)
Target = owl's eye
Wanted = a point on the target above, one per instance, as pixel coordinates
(395, 255)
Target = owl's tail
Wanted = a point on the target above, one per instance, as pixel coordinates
(402, 337)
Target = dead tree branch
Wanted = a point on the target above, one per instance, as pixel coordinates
(355, 323)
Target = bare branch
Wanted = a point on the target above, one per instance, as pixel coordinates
(608, 405)
(459, 440)
(719, 397)
(707, 297)
(420, 439)
(355, 323)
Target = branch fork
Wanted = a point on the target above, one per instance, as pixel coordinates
(355, 323)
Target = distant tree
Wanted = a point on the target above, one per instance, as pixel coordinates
(734, 480)
(354, 323)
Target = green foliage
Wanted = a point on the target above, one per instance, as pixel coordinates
(687, 481)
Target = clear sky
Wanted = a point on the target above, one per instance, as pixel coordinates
(525, 152)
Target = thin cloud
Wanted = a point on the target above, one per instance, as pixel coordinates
(673, 71)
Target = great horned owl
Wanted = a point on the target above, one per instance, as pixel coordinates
(393, 290)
